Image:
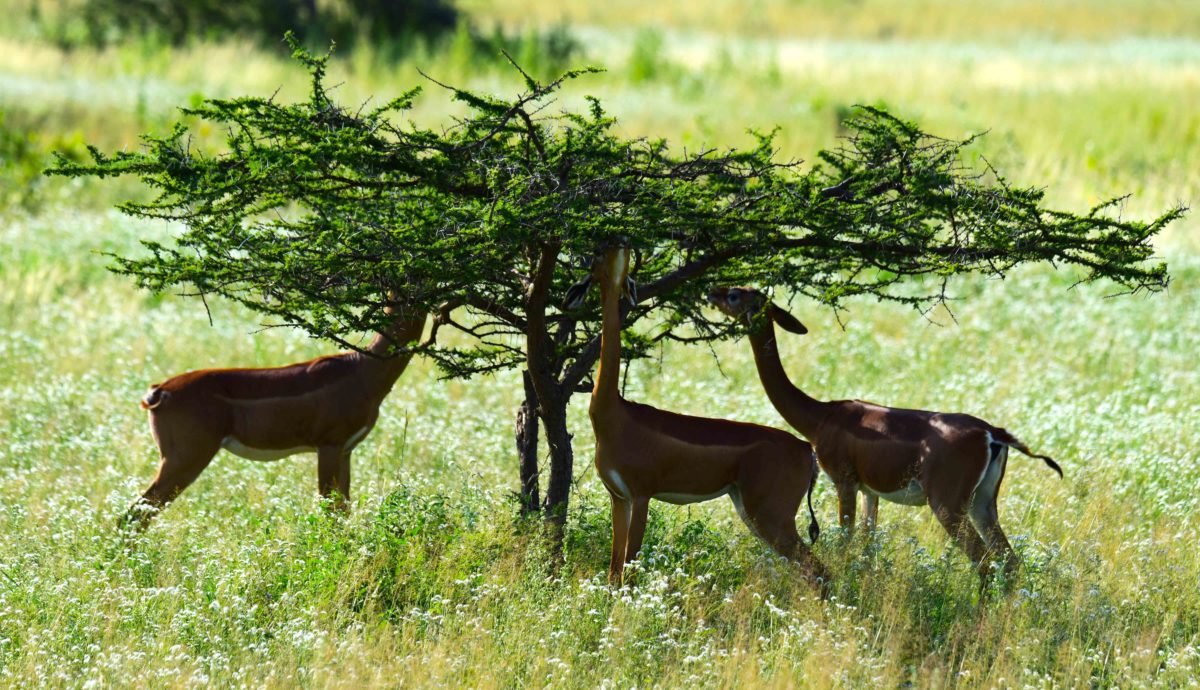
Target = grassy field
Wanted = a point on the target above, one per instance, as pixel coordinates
(244, 581)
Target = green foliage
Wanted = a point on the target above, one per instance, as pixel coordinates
(313, 212)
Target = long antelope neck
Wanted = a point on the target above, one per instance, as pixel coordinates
(607, 388)
(797, 407)
(406, 328)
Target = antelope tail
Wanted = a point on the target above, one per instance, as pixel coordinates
(154, 398)
(814, 530)
(1013, 442)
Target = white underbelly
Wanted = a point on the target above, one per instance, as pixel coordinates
(241, 450)
(684, 499)
(911, 495)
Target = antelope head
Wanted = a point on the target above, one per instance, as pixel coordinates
(746, 303)
(609, 269)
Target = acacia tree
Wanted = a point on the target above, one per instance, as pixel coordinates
(312, 212)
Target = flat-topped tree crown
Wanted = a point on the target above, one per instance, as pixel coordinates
(311, 210)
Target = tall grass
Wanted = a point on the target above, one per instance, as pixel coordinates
(432, 581)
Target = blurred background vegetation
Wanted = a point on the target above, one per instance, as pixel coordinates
(97, 23)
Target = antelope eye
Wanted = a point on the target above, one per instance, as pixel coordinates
(734, 297)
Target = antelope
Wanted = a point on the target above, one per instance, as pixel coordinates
(952, 462)
(326, 405)
(644, 453)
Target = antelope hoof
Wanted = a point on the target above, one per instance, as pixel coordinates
(820, 578)
(824, 586)
(137, 518)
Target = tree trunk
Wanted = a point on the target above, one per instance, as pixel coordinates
(552, 398)
(527, 449)
(562, 459)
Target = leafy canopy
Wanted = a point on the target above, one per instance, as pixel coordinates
(314, 211)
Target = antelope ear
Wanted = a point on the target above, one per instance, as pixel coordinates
(786, 321)
(576, 294)
(631, 291)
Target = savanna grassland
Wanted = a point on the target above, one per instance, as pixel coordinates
(246, 581)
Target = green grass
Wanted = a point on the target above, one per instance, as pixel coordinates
(245, 581)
